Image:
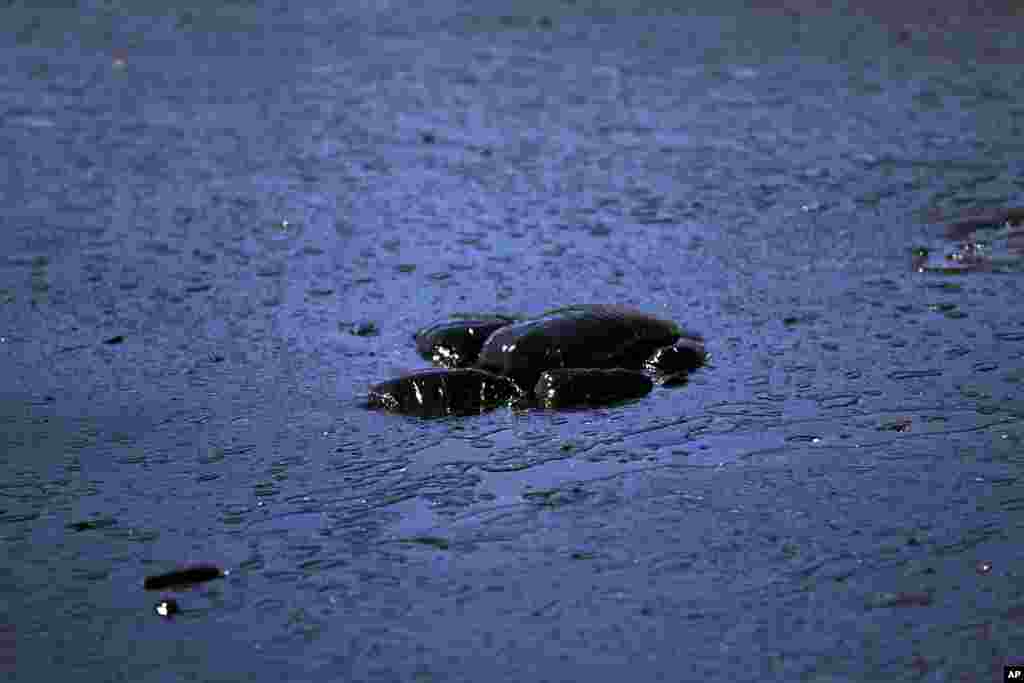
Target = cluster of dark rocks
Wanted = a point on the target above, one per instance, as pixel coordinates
(581, 355)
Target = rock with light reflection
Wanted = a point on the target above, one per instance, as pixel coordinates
(443, 393)
(582, 355)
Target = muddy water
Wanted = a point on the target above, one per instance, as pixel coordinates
(221, 227)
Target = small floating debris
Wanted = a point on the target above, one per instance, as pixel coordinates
(91, 524)
(899, 375)
(364, 328)
(117, 339)
(583, 555)
(902, 424)
(183, 577)
(430, 541)
(167, 608)
(908, 599)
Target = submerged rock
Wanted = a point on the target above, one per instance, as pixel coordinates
(439, 393)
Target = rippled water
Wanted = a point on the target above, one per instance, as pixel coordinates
(221, 226)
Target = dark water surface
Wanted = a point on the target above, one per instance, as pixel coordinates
(220, 225)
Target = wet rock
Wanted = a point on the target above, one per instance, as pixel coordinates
(677, 379)
(456, 342)
(582, 336)
(579, 355)
(181, 578)
(568, 387)
(440, 393)
(685, 355)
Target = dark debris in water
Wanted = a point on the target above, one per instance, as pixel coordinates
(181, 578)
(92, 524)
(363, 328)
(903, 599)
(803, 318)
(558, 497)
(431, 541)
(898, 425)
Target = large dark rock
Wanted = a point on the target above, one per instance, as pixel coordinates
(582, 336)
(569, 387)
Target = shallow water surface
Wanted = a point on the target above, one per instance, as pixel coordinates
(221, 226)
